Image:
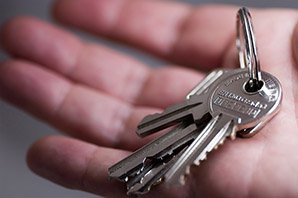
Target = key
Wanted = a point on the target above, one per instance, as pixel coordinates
(172, 116)
(134, 165)
(217, 75)
(190, 110)
(129, 169)
(153, 176)
(232, 109)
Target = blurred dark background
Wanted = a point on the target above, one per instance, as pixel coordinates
(18, 130)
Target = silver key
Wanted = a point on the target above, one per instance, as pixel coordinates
(191, 110)
(132, 169)
(232, 109)
(154, 175)
(220, 75)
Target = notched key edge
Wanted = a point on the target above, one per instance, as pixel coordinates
(176, 175)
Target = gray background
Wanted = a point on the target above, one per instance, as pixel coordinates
(18, 130)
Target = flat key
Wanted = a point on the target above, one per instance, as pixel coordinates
(133, 164)
(232, 108)
(221, 75)
(172, 115)
(191, 110)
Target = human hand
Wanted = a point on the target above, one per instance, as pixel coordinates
(97, 96)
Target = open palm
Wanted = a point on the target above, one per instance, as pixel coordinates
(97, 96)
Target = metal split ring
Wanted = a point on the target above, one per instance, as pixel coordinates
(247, 49)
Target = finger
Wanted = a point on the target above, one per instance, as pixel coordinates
(75, 109)
(184, 34)
(96, 66)
(78, 165)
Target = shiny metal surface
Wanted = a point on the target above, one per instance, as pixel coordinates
(247, 48)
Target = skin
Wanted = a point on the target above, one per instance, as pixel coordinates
(97, 96)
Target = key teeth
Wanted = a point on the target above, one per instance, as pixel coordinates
(197, 162)
(233, 136)
(182, 179)
(221, 142)
(187, 170)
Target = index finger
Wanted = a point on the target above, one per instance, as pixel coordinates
(175, 31)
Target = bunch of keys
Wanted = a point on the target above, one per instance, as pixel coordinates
(225, 104)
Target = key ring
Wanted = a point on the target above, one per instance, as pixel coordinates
(247, 50)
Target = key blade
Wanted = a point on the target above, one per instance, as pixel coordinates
(227, 131)
(173, 174)
(210, 137)
(211, 81)
(154, 176)
(171, 116)
(170, 140)
(205, 83)
(174, 114)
